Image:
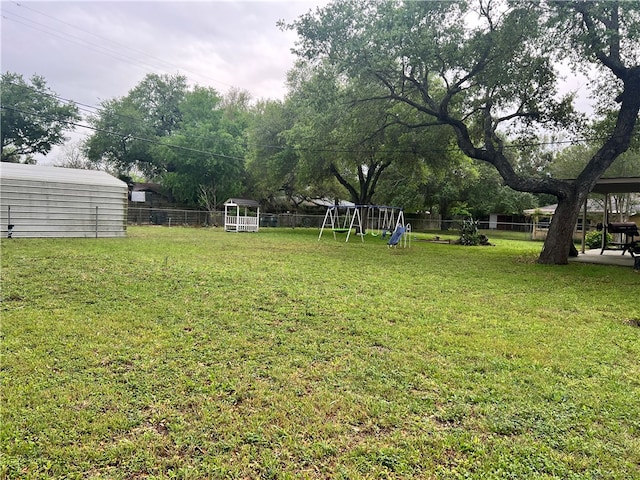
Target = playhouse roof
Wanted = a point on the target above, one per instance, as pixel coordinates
(241, 202)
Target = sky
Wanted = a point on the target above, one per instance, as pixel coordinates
(91, 51)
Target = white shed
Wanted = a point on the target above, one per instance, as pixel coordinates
(45, 201)
(241, 215)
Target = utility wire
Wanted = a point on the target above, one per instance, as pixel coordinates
(94, 109)
(160, 64)
(71, 38)
(123, 135)
(93, 34)
(99, 110)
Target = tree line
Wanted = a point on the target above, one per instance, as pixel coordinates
(453, 107)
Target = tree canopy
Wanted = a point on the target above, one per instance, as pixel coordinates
(189, 138)
(323, 141)
(487, 70)
(33, 119)
(204, 156)
(126, 128)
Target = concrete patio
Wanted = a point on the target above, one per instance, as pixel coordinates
(608, 257)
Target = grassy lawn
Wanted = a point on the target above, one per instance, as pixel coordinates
(194, 353)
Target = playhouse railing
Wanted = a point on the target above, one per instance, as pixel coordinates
(241, 224)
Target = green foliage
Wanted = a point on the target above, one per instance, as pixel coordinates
(32, 119)
(188, 138)
(469, 234)
(194, 353)
(493, 80)
(129, 128)
(272, 164)
(205, 155)
(367, 149)
(593, 239)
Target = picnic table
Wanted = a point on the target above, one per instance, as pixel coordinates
(627, 232)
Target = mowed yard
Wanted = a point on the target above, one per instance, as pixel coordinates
(195, 353)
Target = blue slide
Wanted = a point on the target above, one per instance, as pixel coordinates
(397, 235)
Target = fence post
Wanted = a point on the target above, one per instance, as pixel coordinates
(9, 225)
(96, 221)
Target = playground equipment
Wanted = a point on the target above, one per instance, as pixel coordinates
(380, 218)
(237, 222)
(342, 223)
(401, 233)
(384, 218)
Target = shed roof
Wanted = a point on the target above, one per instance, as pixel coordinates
(617, 185)
(46, 173)
(242, 202)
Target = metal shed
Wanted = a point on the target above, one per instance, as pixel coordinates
(45, 201)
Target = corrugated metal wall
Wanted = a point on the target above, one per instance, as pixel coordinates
(60, 206)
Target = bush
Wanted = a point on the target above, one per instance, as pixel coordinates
(593, 239)
(469, 232)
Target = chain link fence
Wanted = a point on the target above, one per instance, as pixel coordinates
(419, 223)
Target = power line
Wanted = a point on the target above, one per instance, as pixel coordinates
(160, 64)
(71, 38)
(99, 110)
(94, 109)
(119, 45)
(124, 136)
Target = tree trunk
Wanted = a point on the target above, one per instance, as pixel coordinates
(557, 246)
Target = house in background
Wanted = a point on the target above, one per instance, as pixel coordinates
(541, 219)
(150, 195)
(595, 210)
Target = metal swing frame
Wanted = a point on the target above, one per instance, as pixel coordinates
(332, 220)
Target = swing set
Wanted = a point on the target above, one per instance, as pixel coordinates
(384, 219)
(342, 222)
(379, 218)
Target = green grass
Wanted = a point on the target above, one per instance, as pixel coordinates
(194, 353)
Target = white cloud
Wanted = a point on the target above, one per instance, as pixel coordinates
(91, 51)
(94, 51)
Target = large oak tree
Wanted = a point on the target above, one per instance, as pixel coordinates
(487, 69)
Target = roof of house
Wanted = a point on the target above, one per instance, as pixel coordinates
(148, 187)
(593, 206)
(46, 173)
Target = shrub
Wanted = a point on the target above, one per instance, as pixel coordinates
(469, 232)
(593, 239)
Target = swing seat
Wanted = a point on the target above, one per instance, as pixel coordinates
(341, 230)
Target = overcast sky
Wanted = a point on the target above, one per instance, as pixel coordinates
(93, 51)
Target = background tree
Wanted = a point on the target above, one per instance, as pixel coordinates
(357, 145)
(497, 80)
(72, 156)
(204, 156)
(488, 194)
(33, 119)
(272, 162)
(126, 128)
